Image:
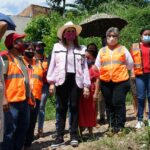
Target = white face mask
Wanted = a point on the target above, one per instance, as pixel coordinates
(112, 41)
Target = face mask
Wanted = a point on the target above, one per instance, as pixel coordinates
(40, 51)
(146, 38)
(90, 62)
(112, 41)
(29, 54)
(70, 36)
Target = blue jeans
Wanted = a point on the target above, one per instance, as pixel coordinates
(143, 91)
(16, 123)
(41, 115)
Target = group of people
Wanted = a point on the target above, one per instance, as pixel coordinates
(24, 90)
(75, 74)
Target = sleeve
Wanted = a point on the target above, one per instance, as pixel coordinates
(51, 68)
(5, 63)
(2, 65)
(97, 61)
(129, 60)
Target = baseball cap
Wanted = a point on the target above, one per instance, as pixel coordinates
(11, 38)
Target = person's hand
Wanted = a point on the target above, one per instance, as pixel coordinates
(51, 89)
(6, 107)
(95, 96)
(86, 92)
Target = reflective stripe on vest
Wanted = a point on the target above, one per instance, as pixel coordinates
(113, 63)
(113, 66)
(136, 55)
(36, 76)
(11, 76)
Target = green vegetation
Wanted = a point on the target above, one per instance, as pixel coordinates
(2, 46)
(45, 28)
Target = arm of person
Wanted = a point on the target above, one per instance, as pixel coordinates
(4, 100)
(97, 62)
(51, 73)
(129, 60)
(97, 88)
(3, 28)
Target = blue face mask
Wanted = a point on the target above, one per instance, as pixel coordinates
(146, 38)
(90, 62)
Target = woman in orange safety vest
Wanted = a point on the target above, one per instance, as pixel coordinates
(141, 56)
(113, 62)
(35, 72)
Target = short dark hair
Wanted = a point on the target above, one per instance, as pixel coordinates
(92, 52)
(144, 29)
(96, 48)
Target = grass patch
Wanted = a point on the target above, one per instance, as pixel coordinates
(50, 109)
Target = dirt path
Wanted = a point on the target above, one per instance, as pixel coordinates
(49, 129)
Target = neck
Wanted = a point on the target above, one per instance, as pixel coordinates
(29, 60)
(39, 56)
(112, 47)
(15, 52)
(146, 44)
(70, 43)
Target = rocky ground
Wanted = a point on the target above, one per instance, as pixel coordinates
(129, 140)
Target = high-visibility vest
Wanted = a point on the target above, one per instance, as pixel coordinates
(113, 66)
(14, 81)
(137, 58)
(36, 78)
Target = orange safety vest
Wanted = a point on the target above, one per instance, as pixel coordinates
(137, 58)
(36, 78)
(14, 81)
(113, 67)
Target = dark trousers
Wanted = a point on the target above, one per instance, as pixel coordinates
(33, 119)
(16, 123)
(115, 95)
(68, 93)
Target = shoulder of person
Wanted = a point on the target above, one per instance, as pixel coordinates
(4, 57)
(103, 48)
(58, 47)
(135, 45)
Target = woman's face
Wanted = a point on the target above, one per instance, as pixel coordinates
(29, 52)
(112, 39)
(145, 37)
(69, 34)
(90, 58)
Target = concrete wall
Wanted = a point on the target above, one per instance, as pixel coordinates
(21, 23)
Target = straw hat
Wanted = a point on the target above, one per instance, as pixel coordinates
(69, 24)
